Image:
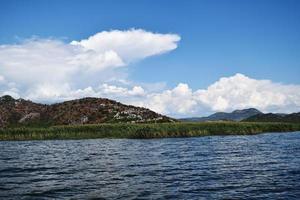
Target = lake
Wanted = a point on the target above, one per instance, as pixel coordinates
(218, 167)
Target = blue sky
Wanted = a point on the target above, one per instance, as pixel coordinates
(219, 38)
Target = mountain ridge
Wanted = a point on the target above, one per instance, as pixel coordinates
(87, 110)
(236, 115)
(274, 117)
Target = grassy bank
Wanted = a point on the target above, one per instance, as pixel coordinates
(163, 130)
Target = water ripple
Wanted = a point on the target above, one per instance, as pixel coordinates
(231, 167)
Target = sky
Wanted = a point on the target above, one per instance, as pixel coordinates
(179, 58)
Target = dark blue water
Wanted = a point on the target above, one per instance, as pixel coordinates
(219, 167)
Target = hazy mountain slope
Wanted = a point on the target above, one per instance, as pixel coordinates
(236, 115)
(271, 117)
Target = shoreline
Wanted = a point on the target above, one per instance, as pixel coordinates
(143, 131)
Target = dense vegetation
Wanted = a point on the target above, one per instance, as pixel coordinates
(158, 130)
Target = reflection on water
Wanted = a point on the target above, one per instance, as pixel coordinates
(219, 167)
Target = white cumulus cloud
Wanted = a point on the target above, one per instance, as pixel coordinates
(240, 91)
(53, 69)
(178, 101)
(226, 94)
(49, 70)
(130, 45)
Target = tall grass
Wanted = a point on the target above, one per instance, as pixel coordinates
(143, 131)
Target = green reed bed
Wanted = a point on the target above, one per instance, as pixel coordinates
(144, 131)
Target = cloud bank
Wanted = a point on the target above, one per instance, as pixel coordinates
(227, 94)
(50, 70)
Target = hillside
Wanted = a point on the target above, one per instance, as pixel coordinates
(271, 117)
(236, 115)
(81, 111)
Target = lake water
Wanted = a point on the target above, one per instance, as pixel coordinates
(219, 167)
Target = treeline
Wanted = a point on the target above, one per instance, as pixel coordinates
(144, 131)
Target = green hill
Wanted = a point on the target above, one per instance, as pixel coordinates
(271, 117)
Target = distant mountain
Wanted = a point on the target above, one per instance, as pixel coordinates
(271, 117)
(80, 111)
(236, 115)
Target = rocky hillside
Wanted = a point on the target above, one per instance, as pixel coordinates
(236, 115)
(81, 111)
(273, 117)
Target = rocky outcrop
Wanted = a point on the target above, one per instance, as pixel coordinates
(30, 117)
